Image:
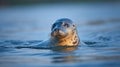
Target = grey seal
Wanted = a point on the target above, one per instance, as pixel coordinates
(63, 33)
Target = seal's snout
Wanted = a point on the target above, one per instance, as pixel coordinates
(57, 30)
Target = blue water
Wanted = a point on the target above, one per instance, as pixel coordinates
(98, 27)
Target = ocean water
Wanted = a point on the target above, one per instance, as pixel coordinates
(98, 26)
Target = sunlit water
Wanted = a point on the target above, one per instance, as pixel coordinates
(98, 27)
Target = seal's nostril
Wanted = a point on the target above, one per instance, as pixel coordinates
(57, 30)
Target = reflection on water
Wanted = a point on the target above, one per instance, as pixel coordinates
(98, 27)
(64, 49)
(63, 59)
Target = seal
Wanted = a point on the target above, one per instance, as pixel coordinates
(63, 33)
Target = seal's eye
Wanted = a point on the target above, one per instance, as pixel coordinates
(66, 25)
(53, 26)
(73, 25)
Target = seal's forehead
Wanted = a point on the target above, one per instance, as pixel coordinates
(66, 20)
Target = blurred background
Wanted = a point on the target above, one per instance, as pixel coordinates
(32, 19)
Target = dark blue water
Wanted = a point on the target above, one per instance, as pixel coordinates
(98, 27)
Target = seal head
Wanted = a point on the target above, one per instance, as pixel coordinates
(64, 33)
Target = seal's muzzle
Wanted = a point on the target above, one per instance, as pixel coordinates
(58, 32)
